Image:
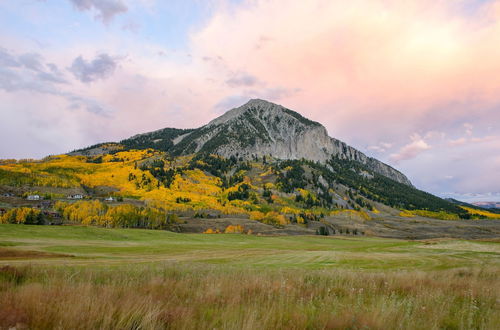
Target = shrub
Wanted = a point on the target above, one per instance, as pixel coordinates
(234, 229)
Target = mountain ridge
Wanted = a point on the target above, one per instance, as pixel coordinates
(260, 128)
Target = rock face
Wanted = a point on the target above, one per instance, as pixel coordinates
(261, 128)
(257, 128)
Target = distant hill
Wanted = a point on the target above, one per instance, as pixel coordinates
(488, 205)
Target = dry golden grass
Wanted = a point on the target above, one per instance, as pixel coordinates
(208, 297)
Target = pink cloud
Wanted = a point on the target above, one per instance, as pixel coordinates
(410, 150)
(457, 142)
(373, 59)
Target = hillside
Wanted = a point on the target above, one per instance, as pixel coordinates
(198, 193)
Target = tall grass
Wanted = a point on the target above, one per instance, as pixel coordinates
(188, 296)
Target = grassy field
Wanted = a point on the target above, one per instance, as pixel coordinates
(88, 277)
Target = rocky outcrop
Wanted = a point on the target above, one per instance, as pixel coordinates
(261, 128)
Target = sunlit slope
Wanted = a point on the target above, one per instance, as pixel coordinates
(265, 189)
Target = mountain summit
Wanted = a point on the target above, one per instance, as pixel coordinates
(260, 128)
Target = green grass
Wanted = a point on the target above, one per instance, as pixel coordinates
(92, 244)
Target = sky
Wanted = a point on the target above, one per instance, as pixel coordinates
(414, 83)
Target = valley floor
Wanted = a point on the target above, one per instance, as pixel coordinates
(386, 226)
(77, 277)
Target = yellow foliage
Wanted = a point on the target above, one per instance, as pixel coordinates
(303, 192)
(121, 171)
(430, 214)
(271, 218)
(256, 215)
(274, 218)
(487, 214)
(123, 215)
(267, 172)
(269, 186)
(290, 210)
(351, 214)
(211, 231)
(406, 214)
(21, 215)
(234, 229)
(191, 190)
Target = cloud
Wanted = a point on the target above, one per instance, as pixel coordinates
(230, 102)
(457, 142)
(241, 79)
(7, 60)
(28, 72)
(101, 67)
(474, 197)
(131, 26)
(31, 61)
(468, 129)
(106, 9)
(381, 147)
(89, 105)
(273, 94)
(411, 150)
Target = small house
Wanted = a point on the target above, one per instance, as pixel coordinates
(76, 196)
(110, 199)
(33, 197)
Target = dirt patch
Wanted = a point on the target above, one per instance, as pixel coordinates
(196, 225)
(6, 253)
(419, 228)
(388, 226)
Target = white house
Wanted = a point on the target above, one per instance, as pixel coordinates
(76, 196)
(33, 197)
(110, 199)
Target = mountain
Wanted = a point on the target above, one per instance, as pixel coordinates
(260, 161)
(487, 205)
(258, 129)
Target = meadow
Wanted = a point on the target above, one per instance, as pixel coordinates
(82, 277)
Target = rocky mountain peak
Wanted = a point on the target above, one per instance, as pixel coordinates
(260, 110)
(260, 128)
